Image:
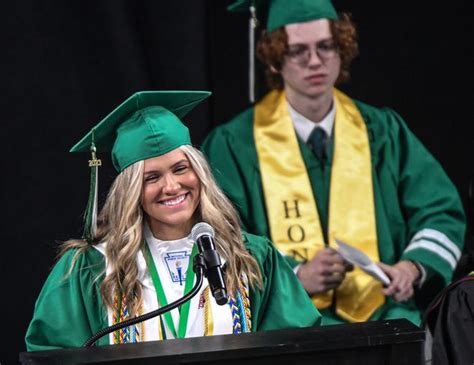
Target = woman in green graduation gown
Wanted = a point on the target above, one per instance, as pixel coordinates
(137, 256)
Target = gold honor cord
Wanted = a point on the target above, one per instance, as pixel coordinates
(291, 207)
(208, 319)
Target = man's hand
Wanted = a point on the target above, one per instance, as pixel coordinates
(325, 271)
(403, 276)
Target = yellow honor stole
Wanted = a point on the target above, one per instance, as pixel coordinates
(291, 206)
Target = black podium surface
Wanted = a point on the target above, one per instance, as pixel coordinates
(382, 342)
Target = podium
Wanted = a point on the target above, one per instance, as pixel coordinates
(380, 342)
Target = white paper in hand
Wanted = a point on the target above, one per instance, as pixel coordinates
(360, 259)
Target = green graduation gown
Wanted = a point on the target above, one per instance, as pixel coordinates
(69, 309)
(419, 215)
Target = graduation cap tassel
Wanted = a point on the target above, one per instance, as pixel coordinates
(90, 218)
(252, 26)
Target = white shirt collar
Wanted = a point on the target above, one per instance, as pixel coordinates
(305, 126)
(151, 239)
(185, 242)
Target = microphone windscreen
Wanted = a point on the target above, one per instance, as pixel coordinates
(201, 228)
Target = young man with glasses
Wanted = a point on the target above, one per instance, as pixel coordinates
(308, 165)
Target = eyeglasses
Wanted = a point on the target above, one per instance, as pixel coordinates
(301, 53)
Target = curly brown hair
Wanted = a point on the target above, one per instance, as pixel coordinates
(271, 49)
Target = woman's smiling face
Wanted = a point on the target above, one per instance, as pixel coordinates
(171, 195)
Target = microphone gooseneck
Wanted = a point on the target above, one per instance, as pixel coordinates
(203, 234)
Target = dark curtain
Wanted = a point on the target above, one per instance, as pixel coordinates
(66, 64)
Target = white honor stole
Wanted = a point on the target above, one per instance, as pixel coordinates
(171, 259)
(206, 317)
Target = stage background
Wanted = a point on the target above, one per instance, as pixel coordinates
(66, 64)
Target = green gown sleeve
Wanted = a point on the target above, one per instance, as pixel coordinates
(420, 203)
(431, 203)
(69, 309)
(273, 306)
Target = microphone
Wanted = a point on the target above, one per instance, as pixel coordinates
(203, 234)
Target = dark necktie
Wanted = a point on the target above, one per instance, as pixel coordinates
(317, 141)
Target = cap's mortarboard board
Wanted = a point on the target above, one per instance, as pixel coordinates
(145, 125)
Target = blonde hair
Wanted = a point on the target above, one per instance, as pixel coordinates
(120, 224)
(217, 210)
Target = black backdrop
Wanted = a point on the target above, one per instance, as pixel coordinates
(66, 64)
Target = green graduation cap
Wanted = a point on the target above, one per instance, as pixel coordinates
(145, 125)
(283, 12)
